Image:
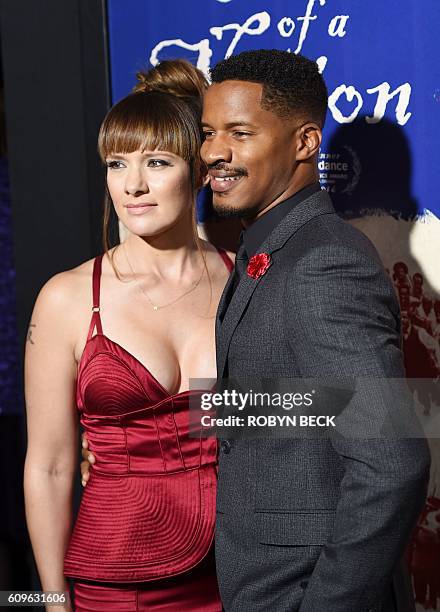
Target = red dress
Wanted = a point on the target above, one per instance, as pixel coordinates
(147, 515)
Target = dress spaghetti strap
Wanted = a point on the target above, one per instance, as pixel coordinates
(228, 262)
(96, 285)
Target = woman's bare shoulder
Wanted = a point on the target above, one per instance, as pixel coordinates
(66, 288)
(62, 310)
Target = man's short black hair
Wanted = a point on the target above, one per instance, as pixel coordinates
(292, 84)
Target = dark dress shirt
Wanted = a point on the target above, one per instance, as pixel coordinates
(254, 236)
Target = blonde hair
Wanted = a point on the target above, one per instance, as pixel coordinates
(162, 112)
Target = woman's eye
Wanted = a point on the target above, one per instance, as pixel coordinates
(157, 163)
(207, 134)
(114, 165)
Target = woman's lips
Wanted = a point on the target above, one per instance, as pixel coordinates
(223, 184)
(139, 209)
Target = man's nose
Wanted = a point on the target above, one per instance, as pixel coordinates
(216, 149)
(136, 183)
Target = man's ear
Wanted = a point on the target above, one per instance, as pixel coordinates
(309, 139)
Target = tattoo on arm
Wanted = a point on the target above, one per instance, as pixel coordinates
(29, 334)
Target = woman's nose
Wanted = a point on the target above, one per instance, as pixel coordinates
(136, 183)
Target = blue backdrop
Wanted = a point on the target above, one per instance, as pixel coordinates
(379, 59)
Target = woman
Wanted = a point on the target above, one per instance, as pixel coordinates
(120, 337)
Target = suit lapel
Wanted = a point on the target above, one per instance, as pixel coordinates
(229, 315)
(237, 305)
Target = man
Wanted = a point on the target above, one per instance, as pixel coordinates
(309, 525)
(315, 525)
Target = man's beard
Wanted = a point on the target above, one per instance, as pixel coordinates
(228, 212)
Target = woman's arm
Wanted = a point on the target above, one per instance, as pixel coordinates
(50, 377)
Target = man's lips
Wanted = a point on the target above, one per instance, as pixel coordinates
(221, 182)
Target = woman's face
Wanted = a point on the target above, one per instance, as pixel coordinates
(151, 190)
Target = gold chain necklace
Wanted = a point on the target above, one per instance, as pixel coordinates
(156, 306)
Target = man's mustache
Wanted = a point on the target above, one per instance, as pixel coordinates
(221, 166)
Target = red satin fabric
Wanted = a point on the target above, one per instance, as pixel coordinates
(148, 510)
(193, 591)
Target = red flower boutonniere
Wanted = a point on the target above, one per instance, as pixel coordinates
(258, 265)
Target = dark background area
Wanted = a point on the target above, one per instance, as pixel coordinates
(55, 94)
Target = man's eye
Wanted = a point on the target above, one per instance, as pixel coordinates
(208, 134)
(241, 134)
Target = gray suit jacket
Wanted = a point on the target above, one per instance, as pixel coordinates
(315, 525)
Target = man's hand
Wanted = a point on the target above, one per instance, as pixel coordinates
(89, 459)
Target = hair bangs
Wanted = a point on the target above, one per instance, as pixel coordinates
(148, 122)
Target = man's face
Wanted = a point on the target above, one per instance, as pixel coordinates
(250, 152)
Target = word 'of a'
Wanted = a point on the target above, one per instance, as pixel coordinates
(257, 24)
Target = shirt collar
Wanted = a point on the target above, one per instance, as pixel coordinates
(256, 234)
